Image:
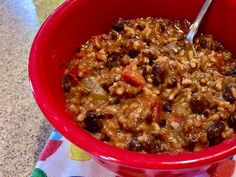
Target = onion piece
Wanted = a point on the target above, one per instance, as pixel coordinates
(96, 91)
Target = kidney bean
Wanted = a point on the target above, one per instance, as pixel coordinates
(133, 53)
(215, 130)
(119, 25)
(140, 27)
(192, 141)
(167, 106)
(150, 145)
(113, 59)
(215, 141)
(203, 43)
(111, 63)
(135, 145)
(198, 103)
(92, 122)
(227, 94)
(231, 72)
(232, 122)
(162, 123)
(206, 113)
(158, 74)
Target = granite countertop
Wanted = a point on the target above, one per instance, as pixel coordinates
(23, 128)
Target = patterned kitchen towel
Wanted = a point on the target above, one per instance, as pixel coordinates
(60, 158)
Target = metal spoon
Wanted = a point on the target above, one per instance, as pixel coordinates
(195, 25)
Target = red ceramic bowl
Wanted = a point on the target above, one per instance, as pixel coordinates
(76, 21)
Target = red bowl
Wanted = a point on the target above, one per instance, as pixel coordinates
(74, 22)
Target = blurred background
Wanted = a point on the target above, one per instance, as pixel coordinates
(23, 128)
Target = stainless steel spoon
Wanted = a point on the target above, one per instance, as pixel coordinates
(195, 25)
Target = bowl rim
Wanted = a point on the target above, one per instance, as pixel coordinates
(104, 151)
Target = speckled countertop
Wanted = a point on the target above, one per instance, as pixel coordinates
(23, 128)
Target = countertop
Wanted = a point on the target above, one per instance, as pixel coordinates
(23, 128)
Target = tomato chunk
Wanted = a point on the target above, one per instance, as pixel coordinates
(132, 77)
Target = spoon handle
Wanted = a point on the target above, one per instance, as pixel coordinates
(194, 27)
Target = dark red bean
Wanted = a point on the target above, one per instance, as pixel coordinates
(92, 122)
(215, 141)
(111, 63)
(232, 122)
(167, 106)
(140, 27)
(158, 74)
(133, 53)
(150, 145)
(150, 62)
(206, 113)
(198, 103)
(215, 130)
(231, 72)
(119, 25)
(204, 44)
(162, 123)
(113, 59)
(227, 94)
(67, 84)
(135, 145)
(191, 143)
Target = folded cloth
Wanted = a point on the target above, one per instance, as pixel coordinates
(61, 158)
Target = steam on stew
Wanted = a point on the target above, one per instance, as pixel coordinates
(140, 87)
